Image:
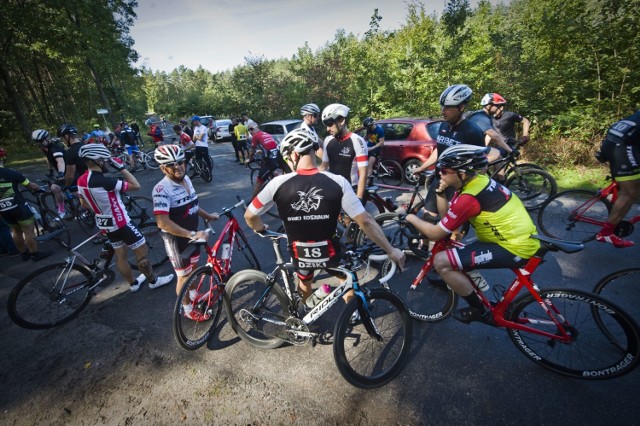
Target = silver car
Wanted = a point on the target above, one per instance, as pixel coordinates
(222, 130)
(279, 129)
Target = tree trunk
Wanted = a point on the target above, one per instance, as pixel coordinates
(99, 86)
(13, 101)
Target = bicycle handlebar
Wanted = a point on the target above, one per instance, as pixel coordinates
(381, 258)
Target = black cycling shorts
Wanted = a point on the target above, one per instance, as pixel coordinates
(624, 160)
(20, 215)
(182, 258)
(266, 171)
(478, 255)
(128, 235)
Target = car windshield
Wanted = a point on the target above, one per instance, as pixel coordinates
(292, 126)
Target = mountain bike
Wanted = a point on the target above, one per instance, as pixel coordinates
(571, 332)
(55, 294)
(206, 283)
(265, 311)
(579, 214)
(388, 171)
(528, 181)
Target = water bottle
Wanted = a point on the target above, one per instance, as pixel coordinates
(479, 280)
(317, 296)
(36, 213)
(226, 249)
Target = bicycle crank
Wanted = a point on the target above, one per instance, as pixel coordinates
(624, 229)
(290, 329)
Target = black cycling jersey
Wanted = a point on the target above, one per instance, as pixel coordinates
(481, 119)
(72, 158)
(128, 136)
(626, 131)
(345, 156)
(506, 124)
(10, 195)
(465, 132)
(53, 151)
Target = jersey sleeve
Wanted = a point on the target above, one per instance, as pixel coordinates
(325, 142)
(362, 153)
(161, 199)
(350, 202)
(461, 210)
(264, 200)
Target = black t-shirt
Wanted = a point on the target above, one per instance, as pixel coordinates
(54, 151)
(481, 119)
(127, 136)
(72, 158)
(506, 124)
(465, 132)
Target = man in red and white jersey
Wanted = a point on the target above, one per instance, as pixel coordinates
(101, 194)
(345, 153)
(272, 158)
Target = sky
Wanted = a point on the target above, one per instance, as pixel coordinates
(219, 34)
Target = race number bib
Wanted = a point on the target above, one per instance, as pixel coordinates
(7, 204)
(104, 221)
(309, 255)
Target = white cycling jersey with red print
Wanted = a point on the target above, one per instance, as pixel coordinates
(102, 193)
(345, 156)
(180, 204)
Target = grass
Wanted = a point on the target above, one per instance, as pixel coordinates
(579, 177)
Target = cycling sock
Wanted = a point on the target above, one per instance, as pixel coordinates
(473, 301)
(61, 207)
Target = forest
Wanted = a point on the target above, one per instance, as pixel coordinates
(571, 66)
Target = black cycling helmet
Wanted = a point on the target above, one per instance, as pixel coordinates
(67, 129)
(367, 122)
(464, 158)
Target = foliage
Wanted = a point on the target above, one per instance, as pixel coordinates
(570, 66)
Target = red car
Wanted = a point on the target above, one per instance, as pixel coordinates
(409, 141)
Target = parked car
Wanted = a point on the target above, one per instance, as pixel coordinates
(409, 141)
(222, 130)
(279, 129)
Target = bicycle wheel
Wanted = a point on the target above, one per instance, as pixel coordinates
(623, 289)
(150, 159)
(371, 352)
(605, 340)
(50, 296)
(390, 172)
(532, 186)
(521, 166)
(157, 253)
(192, 334)
(140, 209)
(390, 224)
(243, 255)
(205, 172)
(52, 224)
(249, 298)
(85, 217)
(253, 176)
(575, 215)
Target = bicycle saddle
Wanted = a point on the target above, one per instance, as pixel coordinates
(553, 244)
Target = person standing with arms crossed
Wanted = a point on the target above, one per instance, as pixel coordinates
(201, 139)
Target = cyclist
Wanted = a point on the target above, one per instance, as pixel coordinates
(310, 114)
(454, 130)
(74, 165)
(344, 153)
(309, 202)
(621, 148)
(375, 142)
(242, 135)
(101, 194)
(156, 134)
(483, 118)
(185, 128)
(505, 122)
(200, 137)
(128, 137)
(54, 151)
(176, 209)
(17, 214)
(270, 154)
(502, 224)
(186, 144)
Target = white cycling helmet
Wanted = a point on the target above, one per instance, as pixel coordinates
(39, 135)
(458, 94)
(299, 140)
(309, 109)
(334, 111)
(166, 154)
(94, 151)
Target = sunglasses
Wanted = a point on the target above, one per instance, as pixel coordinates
(174, 165)
(447, 171)
(329, 122)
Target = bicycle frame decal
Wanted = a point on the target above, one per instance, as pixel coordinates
(330, 300)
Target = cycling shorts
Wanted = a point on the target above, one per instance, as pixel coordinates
(178, 250)
(20, 215)
(479, 255)
(131, 149)
(266, 171)
(375, 153)
(188, 155)
(624, 160)
(128, 235)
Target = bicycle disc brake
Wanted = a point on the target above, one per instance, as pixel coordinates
(624, 228)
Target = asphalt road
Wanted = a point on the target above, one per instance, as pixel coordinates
(119, 363)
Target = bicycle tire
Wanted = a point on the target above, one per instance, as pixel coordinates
(253, 175)
(390, 224)
(521, 166)
(48, 201)
(206, 174)
(140, 209)
(622, 288)
(157, 253)
(248, 297)
(532, 186)
(247, 258)
(362, 358)
(36, 303)
(390, 172)
(606, 340)
(556, 217)
(191, 334)
(150, 160)
(51, 222)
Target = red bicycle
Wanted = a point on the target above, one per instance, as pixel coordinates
(205, 286)
(571, 332)
(579, 214)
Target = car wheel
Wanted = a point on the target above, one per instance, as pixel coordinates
(409, 167)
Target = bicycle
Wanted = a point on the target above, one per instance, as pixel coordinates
(264, 310)
(73, 208)
(571, 332)
(622, 288)
(209, 280)
(48, 225)
(57, 293)
(140, 211)
(528, 181)
(579, 214)
(199, 167)
(388, 171)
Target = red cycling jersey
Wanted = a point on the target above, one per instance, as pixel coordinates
(268, 146)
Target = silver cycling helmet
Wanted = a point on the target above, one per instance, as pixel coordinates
(458, 94)
(39, 135)
(166, 154)
(309, 109)
(94, 151)
(299, 140)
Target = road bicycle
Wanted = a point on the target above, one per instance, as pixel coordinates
(206, 284)
(255, 165)
(145, 158)
(387, 171)
(48, 225)
(571, 332)
(73, 208)
(265, 311)
(528, 181)
(622, 288)
(55, 294)
(579, 214)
